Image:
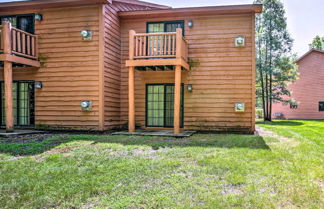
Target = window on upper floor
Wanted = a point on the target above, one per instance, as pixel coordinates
(165, 26)
(24, 22)
(321, 106)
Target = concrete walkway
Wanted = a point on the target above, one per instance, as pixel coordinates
(3, 132)
(168, 133)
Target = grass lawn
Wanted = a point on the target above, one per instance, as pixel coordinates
(283, 169)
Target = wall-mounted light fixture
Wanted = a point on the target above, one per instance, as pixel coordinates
(189, 87)
(38, 17)
(239, 107)
(86, 35)
(39, 85)
(190, 23)
(86, 105)
(240, 41)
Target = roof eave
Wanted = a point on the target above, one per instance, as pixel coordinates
(44, 4)
(143, 3)
(307, 53)
(190, 11)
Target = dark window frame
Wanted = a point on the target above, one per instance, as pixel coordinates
(165, 24)
(31, 106)
(21, 15)
(321, 107)
(164, 116)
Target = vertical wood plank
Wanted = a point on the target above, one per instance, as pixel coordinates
(28, 45)
(19, 41)
(14, 40)
(23, 42)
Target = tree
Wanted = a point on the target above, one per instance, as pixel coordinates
(317, 43)
(275, 62)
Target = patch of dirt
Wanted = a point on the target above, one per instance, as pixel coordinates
(231, 189)
(20, 139)
(266, 133)
(59, 150)
(151, 154)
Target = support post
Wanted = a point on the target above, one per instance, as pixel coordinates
(179, 42)
(177, 98)
(131, 85)
(6, 33)
(131, 99)
(8, 96)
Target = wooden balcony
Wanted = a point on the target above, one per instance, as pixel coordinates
(157, 49)
(18, 46)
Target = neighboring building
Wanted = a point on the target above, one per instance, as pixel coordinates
(308, 90)
(131, 62)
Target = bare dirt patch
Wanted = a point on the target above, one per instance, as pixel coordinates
(266, 133)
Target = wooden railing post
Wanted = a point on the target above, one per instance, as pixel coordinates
(6, 36)
(131, 44)
(179, 43)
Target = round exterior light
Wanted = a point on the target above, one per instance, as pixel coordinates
(38, 85)
(38, 17)
(189, 87)
(190, 24)
(86, 35)
(86, 105)
(239, 107)
(240, 41)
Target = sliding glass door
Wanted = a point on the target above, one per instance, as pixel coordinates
(160, 105)
(23, 103)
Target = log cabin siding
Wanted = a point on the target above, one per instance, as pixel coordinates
(112, 61)
(70, 71)
(224, 75)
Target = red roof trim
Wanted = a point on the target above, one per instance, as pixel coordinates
(309, 52)
(143, 3)
(189, 11)
(44, 4)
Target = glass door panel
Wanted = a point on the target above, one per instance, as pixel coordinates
(160, 105)
(23, 103)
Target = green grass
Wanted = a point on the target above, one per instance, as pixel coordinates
(203, 171)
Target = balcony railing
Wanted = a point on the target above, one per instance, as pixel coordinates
(158, 45)
(17, 42)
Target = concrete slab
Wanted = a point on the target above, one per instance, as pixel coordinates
(3, 132)
(162, 133)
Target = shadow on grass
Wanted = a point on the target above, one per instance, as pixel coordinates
(281, 123)
(200, 140)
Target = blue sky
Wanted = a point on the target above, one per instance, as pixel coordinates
(305, 17)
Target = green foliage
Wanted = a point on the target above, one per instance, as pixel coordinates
(275, 63)
(259, 113)
(317, 43)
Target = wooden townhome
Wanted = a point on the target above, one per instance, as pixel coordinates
(127, 64)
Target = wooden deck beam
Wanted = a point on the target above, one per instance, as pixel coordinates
(158, 62)
(20, 60)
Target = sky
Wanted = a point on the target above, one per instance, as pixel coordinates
(305, 17)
